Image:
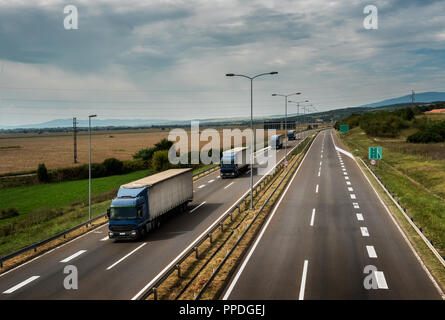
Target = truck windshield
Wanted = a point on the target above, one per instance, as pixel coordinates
(121, 213)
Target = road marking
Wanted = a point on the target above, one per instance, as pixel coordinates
(229, 185)
(356, 206)
(252, 249)
(346, 178)
(197, 207)
(201, 186)
(126, 256)
(210, 181)
(313, 216)
(303, 280)
(322, 156)
(381, 282)
(71, 257)
(345, 173)
(343, 169)
(316, 189)
(364, 231)
(359, 216)
(105, 239)
(352, 196)
(218, 177)
(371, 251)
(321, 163)
(350, 189)
(348, 183)
(318, 173)
(21, 284)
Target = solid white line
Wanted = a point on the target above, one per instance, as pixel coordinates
(197, 207)
(371, 251)
(359, 216)
(381, 282)
(313, 216)
(105, 239)
(364, 231)
(316, 189)
(252, 249)
(201, 186)
(352, 196)
(303, 281)
(136, 296)
(126, 256)
(21, 284)
(229, 185)
(71, 257)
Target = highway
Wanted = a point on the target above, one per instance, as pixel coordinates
(120, 270)
(329, 225)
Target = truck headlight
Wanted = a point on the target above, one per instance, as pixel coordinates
(110, 233)
(133, 233)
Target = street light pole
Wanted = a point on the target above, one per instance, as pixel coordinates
(285, 118)
(89, 167)
(251, 124)
(298, 110)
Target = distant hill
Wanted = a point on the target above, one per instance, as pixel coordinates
(418, 98)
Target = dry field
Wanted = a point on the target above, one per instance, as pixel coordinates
(23, 152)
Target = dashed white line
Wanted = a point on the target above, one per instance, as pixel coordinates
(353, 196)
(313, 216)
(210, 181)
(350, 189)
(197, 207)
(356, 206)
(201, 186)
(346, 178)
(318, 173)
(316, 189)
(303, 281)
(229, 185)
(71, 257)
(364, 231)
(371, 251)
(21, 284)
(348, 183)
(105, 239)
(359, 216)
(345, 173)
(126, 256)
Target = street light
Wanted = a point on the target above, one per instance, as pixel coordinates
(89, 166)
(298, 108)
(251, 123)
(285, 118)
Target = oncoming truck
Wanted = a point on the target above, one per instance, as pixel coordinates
(291, 135)
(276, 141)
(141, 205)
(233, 161)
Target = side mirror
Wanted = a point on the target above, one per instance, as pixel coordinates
(108, 213)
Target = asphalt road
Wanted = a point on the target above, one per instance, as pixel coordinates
(119, 270)
(329, 225)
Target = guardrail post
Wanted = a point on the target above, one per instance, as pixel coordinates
(35, 249)
(221, 224)
(155, 293)
(197, 252)
(1, 263)
(178, 267)
(230, 214)
(210, 237)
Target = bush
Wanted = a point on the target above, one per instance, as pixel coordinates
(42, 173)
(160, 161)
(9, 213)
(432, 133)
(147, 154)
(113, 166)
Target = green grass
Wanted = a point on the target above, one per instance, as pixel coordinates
(427, 210)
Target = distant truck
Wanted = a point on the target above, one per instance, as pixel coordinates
(276, 141)
(291, 135)
(141, 205)
(233, 162)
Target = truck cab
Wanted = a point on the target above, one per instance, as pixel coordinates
(291, 135)
(233, 162)
(276, 142)
(128, 214)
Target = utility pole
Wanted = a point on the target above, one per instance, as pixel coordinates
(75, 139)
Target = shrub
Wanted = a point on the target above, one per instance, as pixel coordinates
(42, 173)
(429, 134)
(112, 166)
(160, 161)
(9, 213)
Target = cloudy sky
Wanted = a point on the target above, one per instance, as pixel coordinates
(168, 59)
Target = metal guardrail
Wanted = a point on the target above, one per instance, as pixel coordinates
(34, 246)
(176, 266)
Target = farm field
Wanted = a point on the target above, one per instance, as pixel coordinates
(23, 152)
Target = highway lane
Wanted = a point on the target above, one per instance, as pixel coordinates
(328, 226)
(109, 270)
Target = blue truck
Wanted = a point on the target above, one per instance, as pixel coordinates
(141, 205)
(276, 141)
(233, 162)
(291, 135)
